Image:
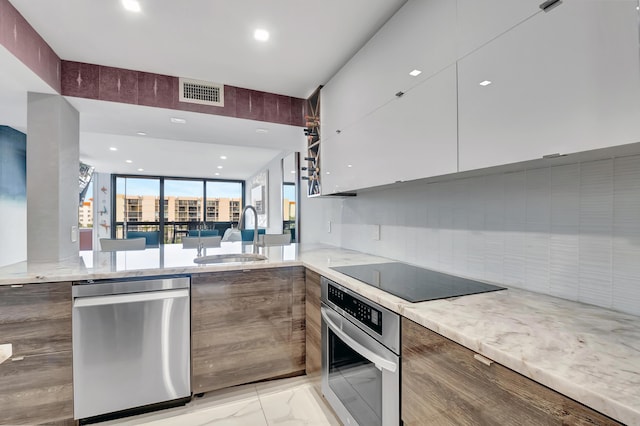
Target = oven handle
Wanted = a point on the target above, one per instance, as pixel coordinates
(368, 354)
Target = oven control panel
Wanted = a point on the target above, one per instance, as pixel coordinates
(358, 309)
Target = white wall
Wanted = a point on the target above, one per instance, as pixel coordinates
(274, 202)
(571, 231)
(315, 215)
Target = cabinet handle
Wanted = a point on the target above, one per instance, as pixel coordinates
(485, 361)
(16, 286)
(399, 94)
(550, 4)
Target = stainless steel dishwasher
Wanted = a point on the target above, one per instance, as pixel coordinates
(131, 344)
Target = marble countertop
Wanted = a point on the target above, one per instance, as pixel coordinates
(587, 353)
(168, 259)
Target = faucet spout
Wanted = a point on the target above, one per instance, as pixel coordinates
(255, 223)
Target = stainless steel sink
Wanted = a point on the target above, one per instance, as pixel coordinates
(229, 258)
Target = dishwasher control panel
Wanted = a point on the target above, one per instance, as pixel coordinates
(358, 309)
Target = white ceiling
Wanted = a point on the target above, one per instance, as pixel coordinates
(203, 39)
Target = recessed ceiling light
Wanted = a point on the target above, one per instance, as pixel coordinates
(128, 161)
(178, 120)
(219, 167)
(415, 73)
(131, 5)
(141, 133)
(485, 83)
(261, 35)
(141, 170)
(217, 174)
(262, 131)
(223, 157)
(349, 165)
(113, 148)
(328, 173)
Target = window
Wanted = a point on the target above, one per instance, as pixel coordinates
(186, 204)
(85, 211)
(228, 198)
(135, 205)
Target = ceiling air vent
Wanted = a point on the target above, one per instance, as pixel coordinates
(201, 92)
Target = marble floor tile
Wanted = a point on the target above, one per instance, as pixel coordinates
(294, 401)
(241, 413)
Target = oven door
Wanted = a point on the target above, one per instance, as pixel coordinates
(360, 377)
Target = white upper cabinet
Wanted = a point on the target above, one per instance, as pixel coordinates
(421, 35)
(410, 137)
(480, 21)
(563, 81)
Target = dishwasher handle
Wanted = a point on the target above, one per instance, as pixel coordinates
(117, 299)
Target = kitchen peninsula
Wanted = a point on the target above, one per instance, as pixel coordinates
(587, 353)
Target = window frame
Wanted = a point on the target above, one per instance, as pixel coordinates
(161, 212)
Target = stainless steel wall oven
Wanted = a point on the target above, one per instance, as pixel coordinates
(360, 357)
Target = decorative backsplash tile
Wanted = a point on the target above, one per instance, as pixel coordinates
(572, 231)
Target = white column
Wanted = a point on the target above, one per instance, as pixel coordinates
(53, 135)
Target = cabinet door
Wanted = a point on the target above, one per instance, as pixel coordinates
(246, 326)
(36, 318)
(442, 383)
(479, 21)
(36, 389)
(421, 35)
(411, 137)
(37, 380)
(313, 322)
(562, 82)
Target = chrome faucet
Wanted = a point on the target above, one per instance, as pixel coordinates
(255, 223)
(201, 226)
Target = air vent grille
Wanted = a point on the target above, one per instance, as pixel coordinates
(201, 92)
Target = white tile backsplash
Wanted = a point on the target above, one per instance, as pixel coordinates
(572, 231)
(564, 261)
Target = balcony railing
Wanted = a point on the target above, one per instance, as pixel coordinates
(173, 231)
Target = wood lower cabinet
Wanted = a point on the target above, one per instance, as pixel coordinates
(314, 354)
(443, 384)
(36, 382)
(246, 326)
(36, 389)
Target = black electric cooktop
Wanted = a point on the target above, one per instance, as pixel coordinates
(412, 283)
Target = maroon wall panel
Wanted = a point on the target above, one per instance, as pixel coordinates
(118, 85)
(19, 38)
(277, 108)
(157, 90)
(80, 80)
(250, 104)
(298, 111)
